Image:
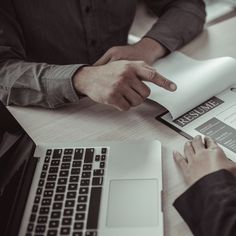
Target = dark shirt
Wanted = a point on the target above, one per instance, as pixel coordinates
(44, 42)
(209, 206)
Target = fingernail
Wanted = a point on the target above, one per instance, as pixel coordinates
(173, 86)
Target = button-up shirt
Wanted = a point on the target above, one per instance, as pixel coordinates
(43, 43)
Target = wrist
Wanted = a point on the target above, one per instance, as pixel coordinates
(152, 49)
(79, 79)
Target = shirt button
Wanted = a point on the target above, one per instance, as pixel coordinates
(87, 9)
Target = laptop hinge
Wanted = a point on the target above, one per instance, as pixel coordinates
(20, 202)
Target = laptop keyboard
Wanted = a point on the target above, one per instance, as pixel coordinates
(68, 195)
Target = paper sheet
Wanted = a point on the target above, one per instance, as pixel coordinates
(197, 81)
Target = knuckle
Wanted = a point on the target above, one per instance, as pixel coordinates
(151, 75)
(111, 97)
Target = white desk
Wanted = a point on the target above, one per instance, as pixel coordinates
(91, 121)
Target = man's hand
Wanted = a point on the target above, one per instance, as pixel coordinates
(119, 83)
(147, 50)
(202, 158)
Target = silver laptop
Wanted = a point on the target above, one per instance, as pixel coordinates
(91, 188)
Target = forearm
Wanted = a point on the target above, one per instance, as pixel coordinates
(179, 22)
(38, 84)
(209, 206)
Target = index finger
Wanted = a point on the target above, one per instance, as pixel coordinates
(151, 75)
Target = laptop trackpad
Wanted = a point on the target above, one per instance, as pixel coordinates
(133, 203)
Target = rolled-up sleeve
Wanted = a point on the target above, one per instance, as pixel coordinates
(179, 21)
(28, 83)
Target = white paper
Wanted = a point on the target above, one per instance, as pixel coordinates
(196, 81)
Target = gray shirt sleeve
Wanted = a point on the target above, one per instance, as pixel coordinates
(179, 21)
(28, 83)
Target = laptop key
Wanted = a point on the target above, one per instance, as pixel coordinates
(82, 199)
(46, 202)
(89, 155)
(94, 208)
(48, 193)
(43, 174)
(42, 219)
(57, 206)
(64, 173)
(66, 158)
(55, 162)
(41, 183)
(40, 229)
(97, 158)
(50, 185)
(59, 197)
(54, 224)
(44, 210)
(91, 233)
(80, 216)
(68, 151)
(81, 207)
(39, 191)
(84, 182)
(68, 212)
(62, 181)
(75, 171)
(53, 170)
(102, 164)
(97, 181)
(47, 159)
(65, 230)
(70, 203)
(71, 195)
(77, 234)
(104, 150)
(49, 152)
(57, 154)
(72, 187)
(103, 158)
(30, 227)
(76, 164)
(37, 199)
(65, 165)
(55, 214)
(84, 190)
(32, 218)
(52, 232)
(52, 177)
(61, 189)
(78, 225)
(66, 221)
(98, 172)
(74, 178)
(86, 174)
(34, 208)
(78, 154)
(45, 167)
(87, 167)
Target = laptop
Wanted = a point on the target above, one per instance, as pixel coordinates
(83, 189)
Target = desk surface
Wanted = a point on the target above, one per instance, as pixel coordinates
(90, 121)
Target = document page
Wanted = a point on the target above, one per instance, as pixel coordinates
(197, 81)
(215, 118)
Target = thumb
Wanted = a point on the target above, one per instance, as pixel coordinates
(103, 60)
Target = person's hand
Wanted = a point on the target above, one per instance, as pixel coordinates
(147, 50)
(202, 158)
(119, 83)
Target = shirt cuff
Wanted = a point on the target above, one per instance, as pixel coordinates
(189, 203)
(60, 88)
